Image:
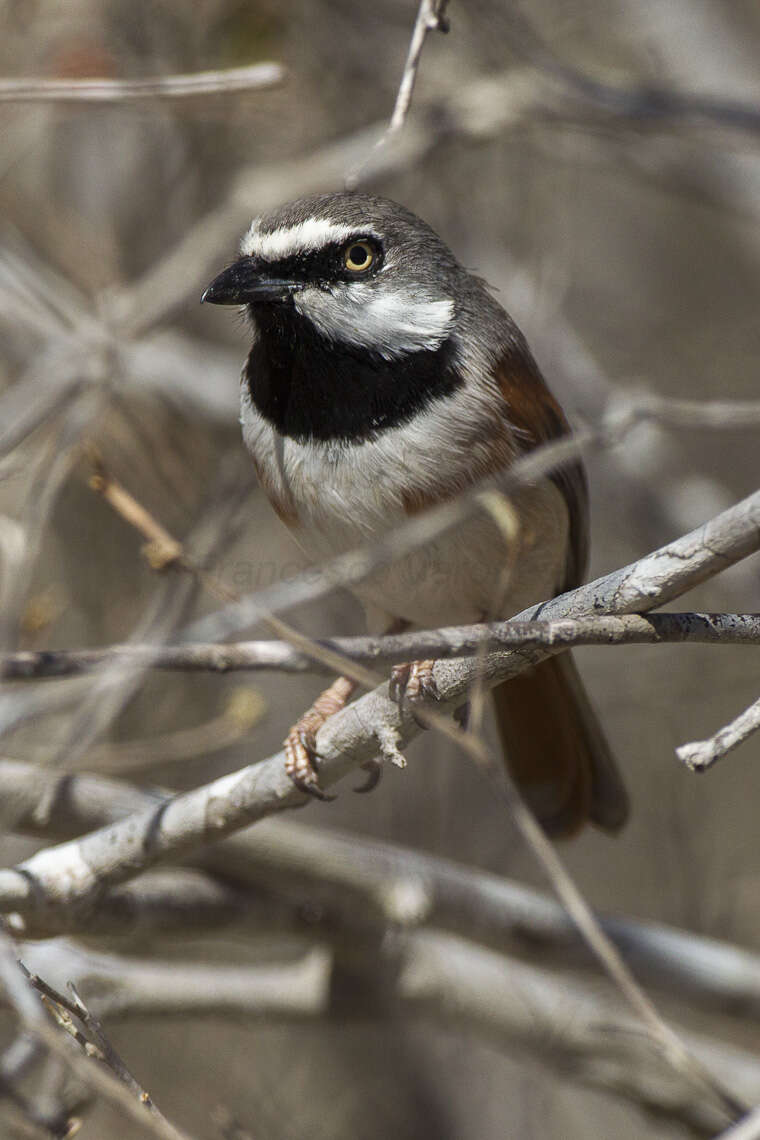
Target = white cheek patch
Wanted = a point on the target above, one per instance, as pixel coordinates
(390, 323)
(306, 237)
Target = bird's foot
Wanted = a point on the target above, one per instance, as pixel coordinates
(413, 681)
(301, 757)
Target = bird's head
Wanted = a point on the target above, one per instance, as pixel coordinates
(362, 316)
(363, 271)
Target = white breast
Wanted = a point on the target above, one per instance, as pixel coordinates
(346, 494)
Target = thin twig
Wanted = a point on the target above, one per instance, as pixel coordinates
(431, 16)
(32, 1015)
(161, 550)
(234, 79)
(109, 1054)
(567, 1024)
(640, 103)
(448, 642)
(700, 755)
(349, 569)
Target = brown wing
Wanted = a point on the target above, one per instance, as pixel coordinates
(537, 417)
(554, 745)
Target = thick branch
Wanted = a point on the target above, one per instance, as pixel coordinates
(346, 875)
(565, 1023)
(746, 1129)
(76, 873)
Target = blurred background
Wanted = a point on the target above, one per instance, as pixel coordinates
(628, 250)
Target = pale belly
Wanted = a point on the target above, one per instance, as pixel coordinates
(336, 499)
(477, 570)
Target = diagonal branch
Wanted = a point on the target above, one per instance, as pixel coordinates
(75, 874)
(347, 875)
(566, 1024)
(431, 16)
(699, 755)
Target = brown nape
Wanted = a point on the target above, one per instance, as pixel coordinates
(556, 750)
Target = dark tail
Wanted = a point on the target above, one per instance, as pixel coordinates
(556, 750)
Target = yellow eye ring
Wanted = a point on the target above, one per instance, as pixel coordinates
(358, 256)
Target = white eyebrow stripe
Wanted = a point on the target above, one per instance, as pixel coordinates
(313, 234)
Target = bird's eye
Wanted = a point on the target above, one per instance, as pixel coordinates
(358, 256)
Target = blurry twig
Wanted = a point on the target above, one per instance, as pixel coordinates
(231, 80)
(700, 755)
(241, 713)
(746, 1129)
(115, 684)
(350, 875)
(33, 1017)
(441, 979)
(161, 550)
(354, 566)
(640, 102)
(175, 902)
(431, 17)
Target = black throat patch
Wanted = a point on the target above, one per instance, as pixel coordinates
(310, 388)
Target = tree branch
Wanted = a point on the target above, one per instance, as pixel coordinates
(568, 1025)
(32, 1015)
(75, 874)
(746, 1129)
(431, 16)
(702, 754)
(346, 875)
(453, 641)
(255, 77)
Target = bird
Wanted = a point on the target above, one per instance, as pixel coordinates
(385, 378)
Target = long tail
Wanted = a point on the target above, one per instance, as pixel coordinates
(556, 750)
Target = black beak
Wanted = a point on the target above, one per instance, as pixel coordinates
(244, 283)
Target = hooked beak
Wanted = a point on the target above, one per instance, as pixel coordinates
(244, 283)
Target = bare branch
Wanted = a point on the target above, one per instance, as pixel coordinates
(746, 1129)
(431, 16)
(453, 641)
(32, 1015)
(568, 1025)
(75, 874)
(348, 875)
(641, 103)
(161, 549)
(232, 80)
(702, 754)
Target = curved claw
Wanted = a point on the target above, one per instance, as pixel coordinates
(312, 788)
(375, 772)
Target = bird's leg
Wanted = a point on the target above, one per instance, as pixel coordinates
(301, 741)
(301, 761)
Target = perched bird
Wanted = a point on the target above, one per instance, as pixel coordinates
(384, 378)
